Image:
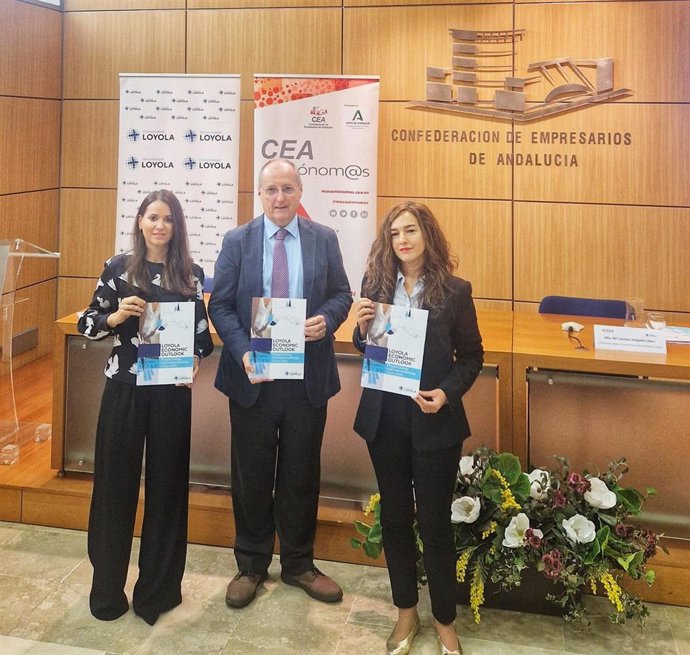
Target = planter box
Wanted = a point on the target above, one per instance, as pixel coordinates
(530, 596)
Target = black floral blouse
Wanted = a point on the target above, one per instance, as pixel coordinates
(112, 287)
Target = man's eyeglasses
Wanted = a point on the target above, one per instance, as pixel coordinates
(273, 191)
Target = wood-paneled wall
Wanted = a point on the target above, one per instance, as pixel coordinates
(611, 218)
(30, 107)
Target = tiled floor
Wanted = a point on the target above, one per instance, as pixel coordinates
(44, 584)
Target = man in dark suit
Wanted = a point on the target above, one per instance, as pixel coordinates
(277, 425)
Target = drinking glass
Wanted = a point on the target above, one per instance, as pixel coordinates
(656, 320)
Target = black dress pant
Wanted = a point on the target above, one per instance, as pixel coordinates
(419, 484)
(275, 476)
(131, 418)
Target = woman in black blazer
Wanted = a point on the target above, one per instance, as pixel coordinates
(415, 443)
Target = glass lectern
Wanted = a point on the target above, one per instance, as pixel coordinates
(13, 252)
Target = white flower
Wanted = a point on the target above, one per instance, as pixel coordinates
(514, 535)
(465, 510)
(600, 495)
(539, 483)
(579, 529)
(467, 465)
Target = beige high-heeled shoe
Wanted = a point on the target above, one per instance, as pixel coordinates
(444, 651)
(403, 646)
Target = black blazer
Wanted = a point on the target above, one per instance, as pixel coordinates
(239, 277)
(453, 358)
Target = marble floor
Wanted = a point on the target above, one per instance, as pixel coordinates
(44, 585)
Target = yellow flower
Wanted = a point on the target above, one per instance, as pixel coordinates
(613, 590)
(593, 584)
(461, 564)
(476, 593)
(373, 502)
(509, 501)
(490, 530)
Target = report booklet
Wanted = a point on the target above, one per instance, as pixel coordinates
(395, 349)
(165, 354)
(277, 338)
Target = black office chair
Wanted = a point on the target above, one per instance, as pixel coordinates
(582, 306)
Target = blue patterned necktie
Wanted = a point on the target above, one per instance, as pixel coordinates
(280, 280)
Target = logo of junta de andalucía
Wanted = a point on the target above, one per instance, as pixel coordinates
(133, 135)
(132, 163)
(472, 84)
(190, 135)
(358, 116)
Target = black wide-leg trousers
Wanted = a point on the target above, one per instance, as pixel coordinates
(131, 419)
(275, 458)
(415, 484)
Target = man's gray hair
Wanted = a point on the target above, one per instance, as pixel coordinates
(290, 163)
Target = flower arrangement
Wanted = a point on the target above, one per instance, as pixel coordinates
(572, 528)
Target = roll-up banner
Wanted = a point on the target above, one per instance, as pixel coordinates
(329, 127)
(182, 133)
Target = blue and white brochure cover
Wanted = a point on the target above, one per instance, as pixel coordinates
(395, 349)
(277, 338)
(165, 352)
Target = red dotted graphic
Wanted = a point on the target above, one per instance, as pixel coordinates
(270, 90)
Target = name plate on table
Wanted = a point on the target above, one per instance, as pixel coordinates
(630, 339)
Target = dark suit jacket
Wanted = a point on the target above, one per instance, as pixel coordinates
(239, 277)
(453, 358)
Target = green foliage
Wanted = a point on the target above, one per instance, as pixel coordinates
(566, 526)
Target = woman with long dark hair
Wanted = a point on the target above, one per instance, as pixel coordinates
(415, 443)
(136, 419)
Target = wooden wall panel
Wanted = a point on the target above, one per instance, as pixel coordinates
(247, 179)
(11, 505)
(48, 508)
(230, 41)
(397, 3)
(74, 294)
(399, 43)
(90, 143)
(86, 216)
(492, 305)
(105, 5)
(34, 218)
(29, 144)
(645, 40)
(38, 310)
(652, 170)
(246, 207)
(259, 4)
(480, 235)
(599, 251)
(30, 51)
(101, 45)
(398, 39)
(430, 166)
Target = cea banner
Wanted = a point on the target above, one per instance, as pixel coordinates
(181, 133)
(329, 127)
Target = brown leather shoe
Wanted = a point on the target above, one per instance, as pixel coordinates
(316, 584)
(242, 588)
